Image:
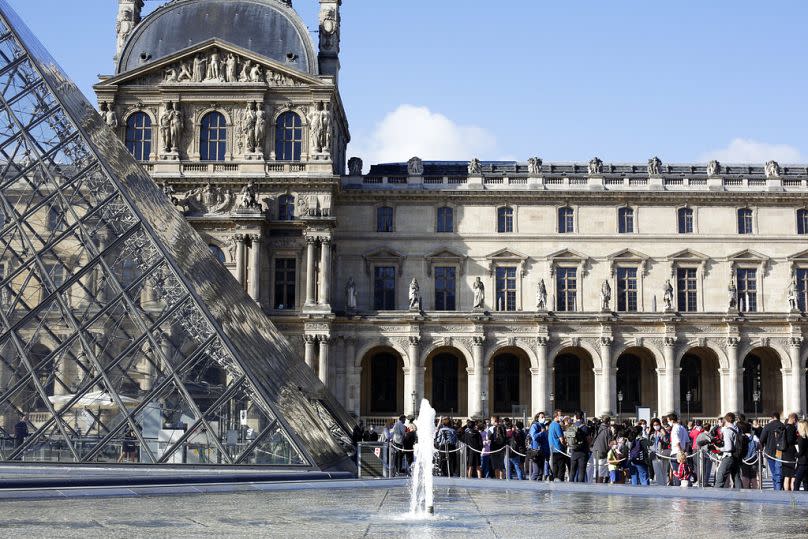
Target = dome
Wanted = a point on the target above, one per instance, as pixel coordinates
(266, 27)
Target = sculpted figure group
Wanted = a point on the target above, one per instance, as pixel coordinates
(171, 127)
(214, 67)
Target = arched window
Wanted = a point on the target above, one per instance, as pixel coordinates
(802, 221)
(288, 137)
(744, 221)
(217, 253)
(286, 208)
(566, 220)
(685, 216)
(505, 220)
(213, 137)
(625, 220)
(139, 135)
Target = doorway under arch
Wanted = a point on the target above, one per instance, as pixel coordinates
(382, 390)
(446, 382)
(700, 377)
(509, 382)
(636, 380)
(573, 381)
(763, 379)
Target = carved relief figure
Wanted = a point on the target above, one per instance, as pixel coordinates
(244, 75)
(713, 168)
(256, 74)
(123, 27)
(350, 294)
(479, 294)
(328, 29)
(260, 128)
(110, 118)
(667, 297)
(733, 294)
(248, 119)
(654, 166)
(225, 201)
(792, 294)
(176, 128)
(185, 73)
(541, 296)
(595, 166)
(326, 129)
(415, 295)
(772, 169)
(605, 296)
(231, 71)
(534, 165)
(214, 71)
(249, 196)
(415, 167)
(475, 167)
(199, 68)
(165, 126)
(171, 74)
(355, 166)
(316, 129)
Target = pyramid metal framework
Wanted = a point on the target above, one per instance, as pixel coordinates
(122, 339)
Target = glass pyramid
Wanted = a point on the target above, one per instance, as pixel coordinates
(121, 338)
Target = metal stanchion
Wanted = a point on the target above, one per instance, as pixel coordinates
(463, 461)
(507, 463)
(760, 469)
(701, 468)
(596, 468)
(359, 460)
(386, 460)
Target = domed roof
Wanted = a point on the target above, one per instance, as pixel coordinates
(267, 27)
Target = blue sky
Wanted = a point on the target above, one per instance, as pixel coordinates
(453, 79)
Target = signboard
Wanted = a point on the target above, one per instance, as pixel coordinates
(644, 413)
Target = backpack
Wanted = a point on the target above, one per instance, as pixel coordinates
(517, 441)
(751, 448)
(741, 446)
(637, 454)
(574, 437)
(447, 436)
(780, 438)
(497, 438)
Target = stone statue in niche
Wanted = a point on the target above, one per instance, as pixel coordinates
(415, 167)
(415, 295)
(350, 294)
(772, 169)
(177, 121)
(165, 126)
(199, 68)
(355, 166)
(231, 68)
(733, 295)
(792, 295)
(185, 73)
(595, 166)
(249, 196)
(214, 72)
(110, 118)
(479, 294)
(534, 165)
(667, 297)
(260, 127)
(319, 125)
(713, 168)
(654, 166)
(248, 119)
(475, 167)
(541, 296)
(605, 296)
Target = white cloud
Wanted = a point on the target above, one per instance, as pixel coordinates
(417, 131)
(751, 151)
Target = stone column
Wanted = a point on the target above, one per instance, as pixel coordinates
(669, 403)
(413, 377)
(539, 399)
(325, 271)
(240, 252)
(353, 377)
(255, 267)
(323, 372)
(310, 352)
(732, 378)
(311, 245)
(796, 404)
(605, 405)
(338, 387)
(479, 383)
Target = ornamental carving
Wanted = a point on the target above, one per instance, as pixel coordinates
(772, 169)
(205, 200)
(215, 67)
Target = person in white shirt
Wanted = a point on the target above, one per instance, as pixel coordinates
(679, 440)
(398, 432)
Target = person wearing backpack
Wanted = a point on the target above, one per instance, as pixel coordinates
(497, 440)
(638, 458)
(534, 454)
(773, 440)
(577, 437)
(446, 442)
(558, 448)
(789, 467)
(731, 453)
(749, 476)
(600, 446)
(516, 443)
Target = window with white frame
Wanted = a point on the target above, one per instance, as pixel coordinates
(747, 286)
(566, 220)
(566, 289)
(505, 220)
(445, 288)
(802, 221)
(801, 275)
(745, 221)
(687, 289)
(627, 289)
(506, 288)
(685, 218)
(625, 220)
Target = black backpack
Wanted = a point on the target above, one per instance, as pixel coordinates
(497, 437)
(741, 446)
(517, 441)
(637, 454)
(780, 438)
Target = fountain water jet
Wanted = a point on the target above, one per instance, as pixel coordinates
(421, 500)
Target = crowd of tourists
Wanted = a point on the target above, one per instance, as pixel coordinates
(664, 451)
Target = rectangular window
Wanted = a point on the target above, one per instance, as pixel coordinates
(445, 220)
(686, 289)
(445, 287)
(506, 289)
(505, 220)
(384, 288)
(384, 219)
(566, 289)
(626, 221)
(627, 289)
(285, 279)
(745, 221)
(802, 289)
(685, 221)
(747, 290)
(802, 221)
(566, 221)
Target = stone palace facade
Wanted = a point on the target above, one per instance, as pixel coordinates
(487, 287)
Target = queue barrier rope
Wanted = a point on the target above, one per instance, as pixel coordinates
(779, 460)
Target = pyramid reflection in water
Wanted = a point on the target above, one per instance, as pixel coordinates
(121, 337)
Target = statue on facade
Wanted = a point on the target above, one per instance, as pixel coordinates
(256, 73)
(199, 68)
(248, 120)
(792, 295)
(654, 166)
(176, 128)
(328, 29)
(209, 196)
(260, 128)
(171, 74)
(605, 296)
(244, 74)
(595, 166)
(224, 201)
(319, 122)
(772, 169)
(667, 297)
(475, 167)
(327, 129)
(249, 196)
(541, 296)
(214, 71)
(231, 68)
(479, 294)
(355, 166)
(415, 295)
(110, 118)
(534, 165)
(185, 73)
(123, 27)
(733, 294)
(165, 126)
(415, 167)
(350, 294)
(713, 168)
